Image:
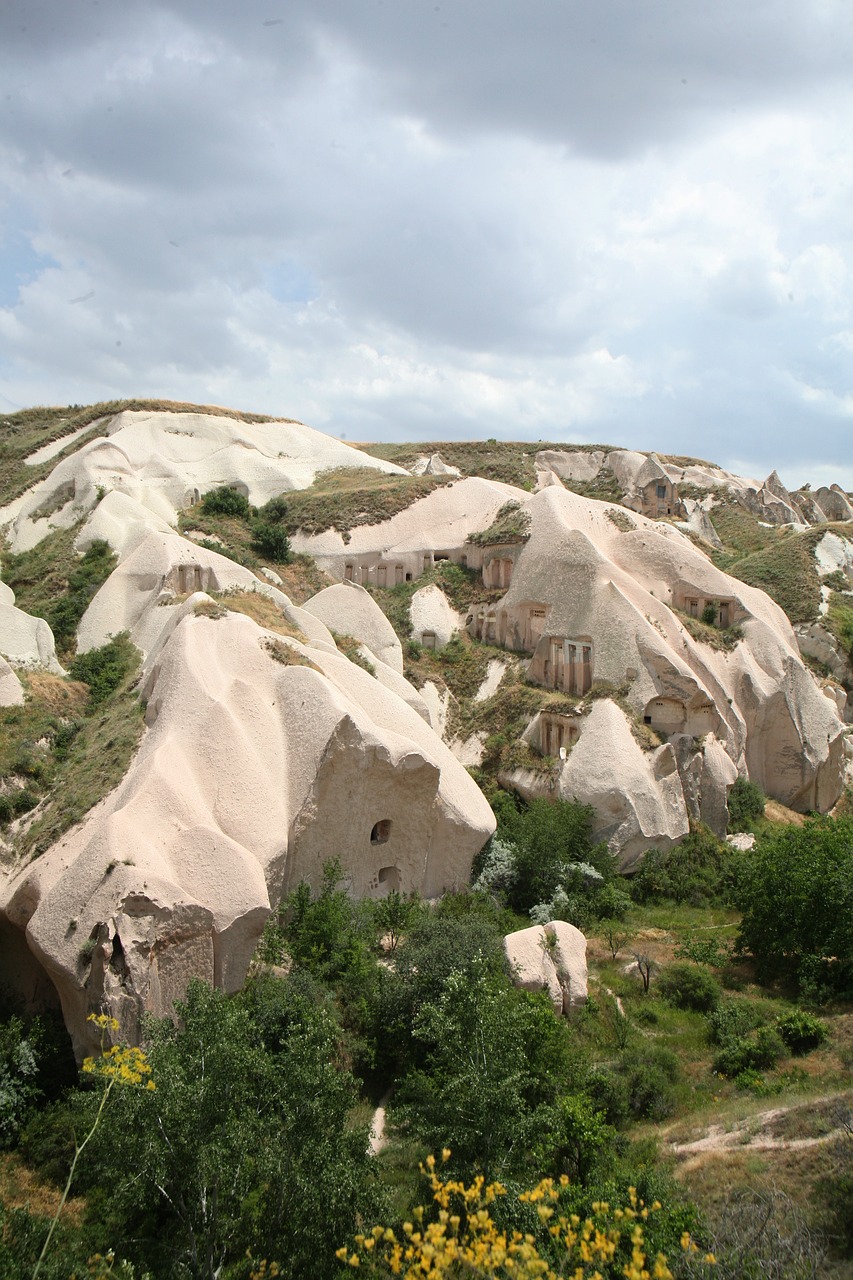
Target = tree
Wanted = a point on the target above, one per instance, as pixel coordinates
(494, 1062)
(547, 839)
(244, 1144)
(795, 889)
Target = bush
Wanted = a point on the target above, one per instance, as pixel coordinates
(746, 805)
(226, 501)
(757, 1052)
(795, 889)
(688, 986)
(801, 1031)
(271, 541)
(104, 669)
(731, 1020)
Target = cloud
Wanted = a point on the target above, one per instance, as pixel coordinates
(625, 222)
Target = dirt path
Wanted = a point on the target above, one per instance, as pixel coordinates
(377, 1138)
(754, 1134)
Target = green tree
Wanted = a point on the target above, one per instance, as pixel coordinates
(244, 1144)
(495, 1059)
(795, 890)
(547, 838)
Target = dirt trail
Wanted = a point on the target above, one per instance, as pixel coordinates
(377, 1129)
(753, 1134)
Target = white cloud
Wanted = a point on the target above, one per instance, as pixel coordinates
(619, 222)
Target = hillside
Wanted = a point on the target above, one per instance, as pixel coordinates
(265, 697)
(586, 624)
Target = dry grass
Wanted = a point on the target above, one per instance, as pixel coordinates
(301, 579)
(20, 1188)
(55, 693)
(262, 610)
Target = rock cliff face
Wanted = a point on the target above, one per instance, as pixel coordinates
(267, 751)
(264, 756)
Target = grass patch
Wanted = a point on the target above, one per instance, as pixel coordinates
(705, 633)
(345, 497)
(510, 525)
(739, 531)
(788, 573)
(260, 609)
(351, 649)
(301, 579)
(287, 655)
(85, 756)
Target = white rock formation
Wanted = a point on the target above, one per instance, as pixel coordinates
(11, 692)
(25, 641)
(432, 464)
(595, 602)
(434, 622)
(550, 958)
(165, 461)
(263, 757)
(350, 610)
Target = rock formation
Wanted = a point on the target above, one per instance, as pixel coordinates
(550, 958)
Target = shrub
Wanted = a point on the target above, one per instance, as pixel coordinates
(688, 986)
(757, 1052)
(104, 669)
(225, 501)
(801, 1031)
(271, 540)
(746, 804)
(731, 1020)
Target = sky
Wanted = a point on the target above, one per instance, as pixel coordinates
(616, 221)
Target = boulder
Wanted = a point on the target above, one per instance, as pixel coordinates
(350, 610)
(550, 958)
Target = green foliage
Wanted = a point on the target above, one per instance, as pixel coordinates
(18, 1078)
(702, 949)
(802, 1031)
(244, 1139)
(641, 1085)
(746, 804)
(709, 614)
(93, 570)
(225, 501)
(839, 619)
(699, 871)
(756, 1052)
(106, 668)
(490, 1073)
(271, 541)
(732, 1020)
(795, 889)
(547, 839)
(688, 986)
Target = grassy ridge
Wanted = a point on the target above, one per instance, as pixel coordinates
(23, 432)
